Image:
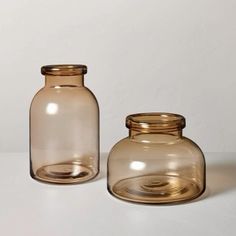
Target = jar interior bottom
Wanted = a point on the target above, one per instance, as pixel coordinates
(64, 173)
(156, 189)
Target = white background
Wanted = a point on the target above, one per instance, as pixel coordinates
(175, 56)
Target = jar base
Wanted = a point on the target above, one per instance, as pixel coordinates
(156, 189)
(64, 173)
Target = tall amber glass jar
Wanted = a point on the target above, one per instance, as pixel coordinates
(64, 127)
(156, 163)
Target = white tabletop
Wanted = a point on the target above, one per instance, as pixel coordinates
(30, 208)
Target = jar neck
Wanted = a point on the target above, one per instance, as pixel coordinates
(73, 81)
(155, 136)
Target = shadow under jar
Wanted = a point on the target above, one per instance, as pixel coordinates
(64, 127)
(155, 164)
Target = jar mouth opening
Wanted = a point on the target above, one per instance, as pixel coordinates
(64, 69)
(155, 121)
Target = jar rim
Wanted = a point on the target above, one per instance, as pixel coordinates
(64, 69)
(155, 121)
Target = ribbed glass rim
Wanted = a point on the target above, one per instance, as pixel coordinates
(155, 121)
(64, 69)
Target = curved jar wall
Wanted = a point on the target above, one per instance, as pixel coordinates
(64, 127)
(155, 163)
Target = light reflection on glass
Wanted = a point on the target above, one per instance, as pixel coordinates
(137, 165)
(52, 108)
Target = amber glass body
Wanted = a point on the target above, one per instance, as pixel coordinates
(64, 128)
(156, 164)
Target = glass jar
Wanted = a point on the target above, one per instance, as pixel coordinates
(156, 164)
(64, 127)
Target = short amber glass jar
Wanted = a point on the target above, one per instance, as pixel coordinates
(64, 127)
(156, 164)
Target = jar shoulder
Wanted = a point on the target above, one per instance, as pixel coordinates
(60, 95)
(182, 146)
(191, 146)
(79, 91)
(122, 145)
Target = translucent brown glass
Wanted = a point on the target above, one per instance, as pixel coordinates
(155, 164)
(64, 127)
